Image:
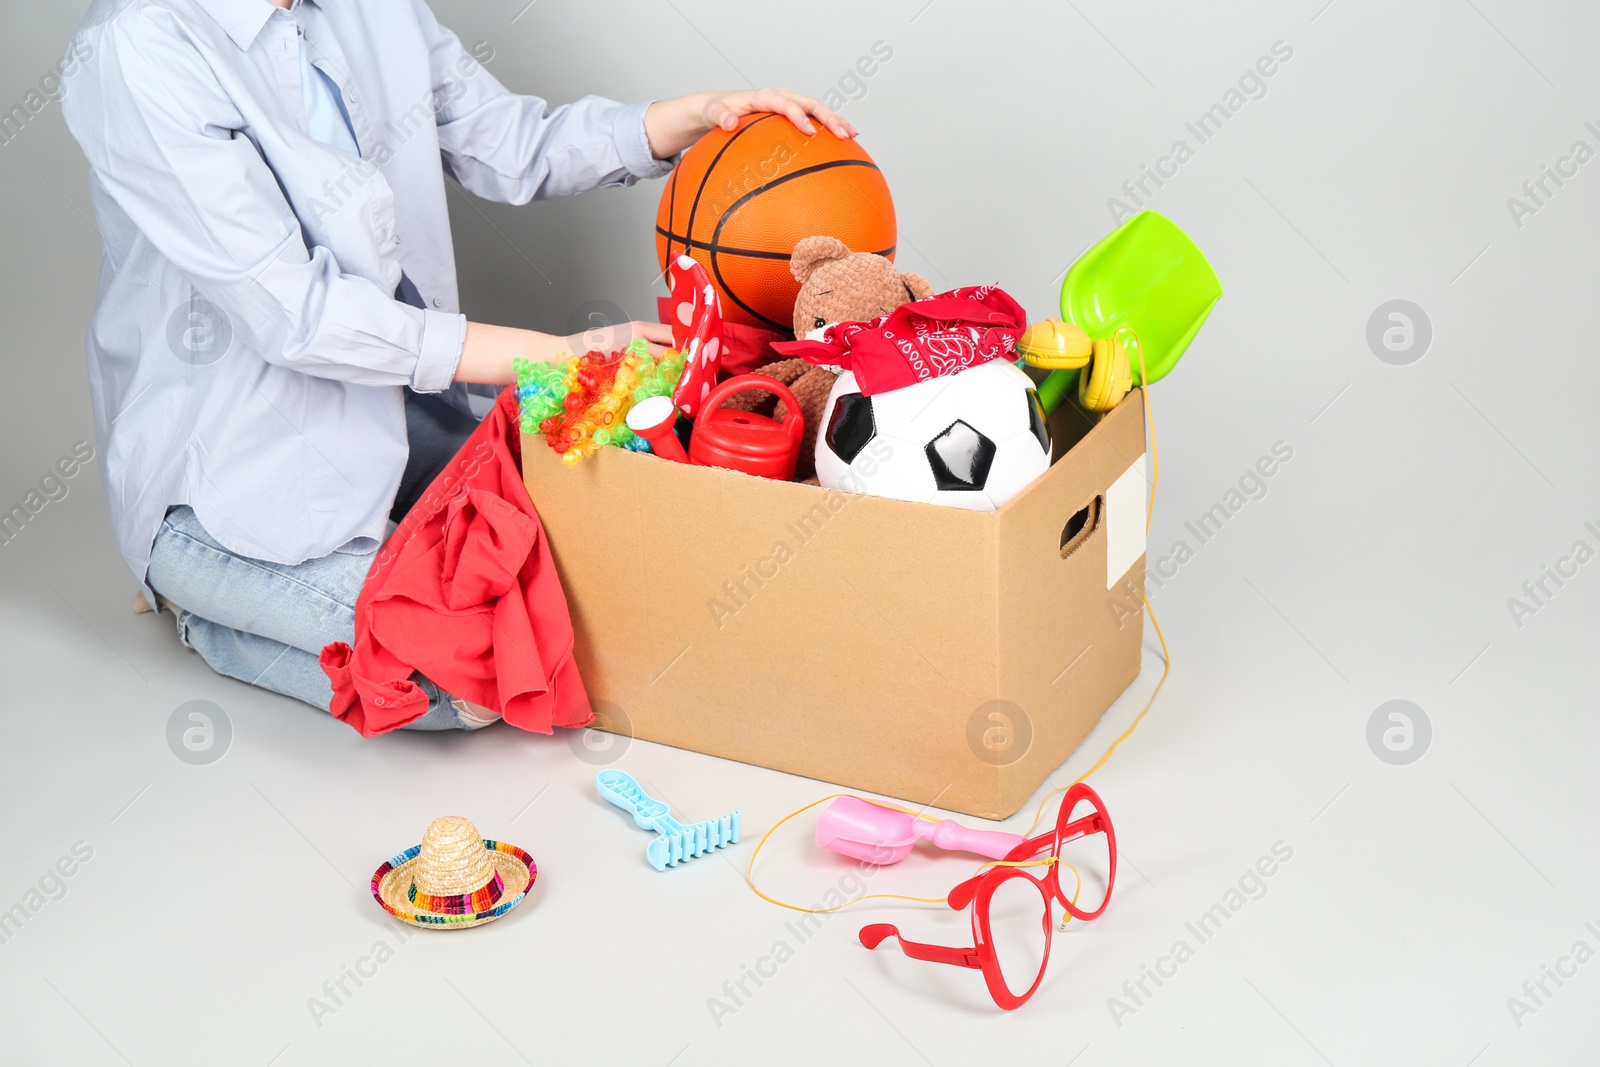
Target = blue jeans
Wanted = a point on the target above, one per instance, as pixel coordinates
(266, 623)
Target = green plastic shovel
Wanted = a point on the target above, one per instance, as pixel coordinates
(1145, 276)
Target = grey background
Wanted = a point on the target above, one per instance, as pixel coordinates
(1376, 567)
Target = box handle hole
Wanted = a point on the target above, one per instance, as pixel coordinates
(1084, 522)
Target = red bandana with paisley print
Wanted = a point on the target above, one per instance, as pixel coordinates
(944, 334)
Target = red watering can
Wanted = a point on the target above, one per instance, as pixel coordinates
(738, 440)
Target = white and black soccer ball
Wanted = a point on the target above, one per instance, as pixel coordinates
(974, 439)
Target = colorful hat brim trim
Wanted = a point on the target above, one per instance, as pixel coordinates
(423, 918)
(459, 903)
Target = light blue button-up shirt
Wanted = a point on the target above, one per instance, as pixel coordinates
(327, 119)
(247, 355)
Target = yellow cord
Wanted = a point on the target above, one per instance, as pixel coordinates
(1166, 656)
(750, 867)
(1166, 667)
(1066, 916)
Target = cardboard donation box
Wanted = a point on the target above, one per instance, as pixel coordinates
(933, 654)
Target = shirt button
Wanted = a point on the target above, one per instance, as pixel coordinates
(437, 302)
(378, 701)
(353, 96)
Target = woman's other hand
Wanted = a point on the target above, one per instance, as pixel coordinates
(488, 352)
(614, 338)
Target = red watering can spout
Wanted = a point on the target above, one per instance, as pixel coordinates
(654, 420)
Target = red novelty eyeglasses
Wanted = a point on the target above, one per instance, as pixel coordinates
(1012, 965)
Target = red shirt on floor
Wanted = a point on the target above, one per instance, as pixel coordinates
(465, 591)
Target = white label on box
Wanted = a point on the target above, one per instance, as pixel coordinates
(1126, 501)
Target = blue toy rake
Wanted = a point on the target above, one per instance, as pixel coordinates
(676, 842)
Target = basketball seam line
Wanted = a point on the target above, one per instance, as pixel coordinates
(733, 207)
(694, 206)
(672, 208)
(752, 253)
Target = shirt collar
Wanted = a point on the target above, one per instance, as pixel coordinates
(242, 19)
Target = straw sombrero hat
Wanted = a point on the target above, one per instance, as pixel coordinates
(454, 879)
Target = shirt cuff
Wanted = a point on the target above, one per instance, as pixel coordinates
(443, 334)
(633, 146)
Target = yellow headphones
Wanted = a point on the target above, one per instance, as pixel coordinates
(1056, 345)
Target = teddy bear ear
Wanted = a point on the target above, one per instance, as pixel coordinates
(812, 252)
(917, 286)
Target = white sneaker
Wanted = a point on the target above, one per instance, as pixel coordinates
(474, 716)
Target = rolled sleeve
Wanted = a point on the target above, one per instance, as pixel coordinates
(633, 145)
(443, 335)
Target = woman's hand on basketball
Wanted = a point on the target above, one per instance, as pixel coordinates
(726, 109)
(673, 125)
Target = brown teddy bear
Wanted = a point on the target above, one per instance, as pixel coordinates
(836, 285)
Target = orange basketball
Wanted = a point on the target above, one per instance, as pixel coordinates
(740, 200)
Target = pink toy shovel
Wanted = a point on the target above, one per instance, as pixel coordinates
(871, 832)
